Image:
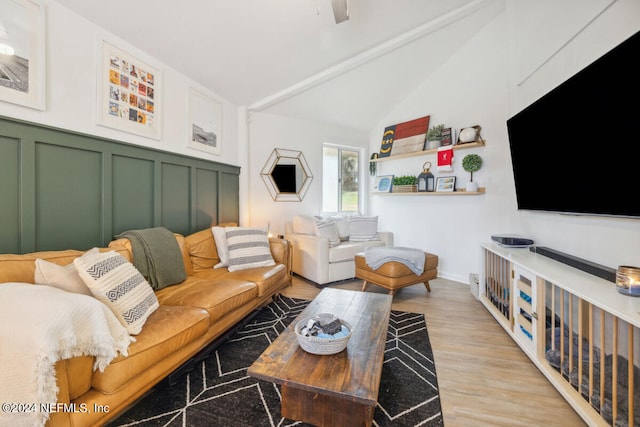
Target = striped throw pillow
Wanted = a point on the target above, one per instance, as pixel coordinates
(327, 228)
(363, 228)
(248, 247)
(119, 285)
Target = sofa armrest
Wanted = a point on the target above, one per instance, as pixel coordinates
(386, 237)
(281, 252)
(310, 256)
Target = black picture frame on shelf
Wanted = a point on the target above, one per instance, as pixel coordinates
(445, 184)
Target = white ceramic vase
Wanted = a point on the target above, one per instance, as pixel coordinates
(472, 186)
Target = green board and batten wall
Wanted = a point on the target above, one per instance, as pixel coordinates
(66, 190)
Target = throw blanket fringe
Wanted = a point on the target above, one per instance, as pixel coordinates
(40, 325)
(156, 255)
(376, 256)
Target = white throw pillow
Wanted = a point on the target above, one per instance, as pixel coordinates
(220, 237)
(63, 277)
(120, 286)
(363, 228)
(304, 224)
(342, 224)
(248, 248)
(327, 228)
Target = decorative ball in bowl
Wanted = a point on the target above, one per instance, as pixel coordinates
(323, 334)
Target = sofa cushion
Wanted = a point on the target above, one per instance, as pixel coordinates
(167, 330)
(76, 373)
(304, 224)
(63, 277)
(347, 251)
(21, 268)
(363, 228)
(116, 282)
(219, 295)
(267, 279)
(327, 228)
(248, 248)
(202, 250)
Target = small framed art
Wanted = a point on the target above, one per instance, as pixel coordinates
(383, 184)
(204, 122)
(22, 53)
(446, 184)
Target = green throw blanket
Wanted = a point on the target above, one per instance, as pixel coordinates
(156, 255)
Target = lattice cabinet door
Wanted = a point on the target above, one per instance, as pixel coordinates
(525, 303)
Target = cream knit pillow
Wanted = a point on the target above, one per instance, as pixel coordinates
(120, 286)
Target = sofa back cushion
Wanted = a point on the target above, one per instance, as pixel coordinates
(304, 224)
(22, 268)
(202, 250)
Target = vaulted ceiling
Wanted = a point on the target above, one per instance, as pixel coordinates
(290, 57)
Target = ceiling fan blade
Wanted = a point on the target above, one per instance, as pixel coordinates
(340, 10)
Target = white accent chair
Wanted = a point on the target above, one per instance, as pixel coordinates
(316, 260)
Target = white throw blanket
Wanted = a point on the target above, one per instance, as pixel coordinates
(376, 256)
(40, 325)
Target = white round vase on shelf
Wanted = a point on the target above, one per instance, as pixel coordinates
(472, 186)
(432, 144)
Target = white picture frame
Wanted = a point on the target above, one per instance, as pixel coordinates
(205, 115)
(129, 93)
(22, 42)
(383, 184)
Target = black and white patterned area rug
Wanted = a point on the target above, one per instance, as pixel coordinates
(218, 391)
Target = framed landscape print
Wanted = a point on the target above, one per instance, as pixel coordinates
(129, 93)
(204, 122)
(22, 53)
(446, 183)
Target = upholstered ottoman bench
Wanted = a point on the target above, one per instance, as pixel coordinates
(395, 275)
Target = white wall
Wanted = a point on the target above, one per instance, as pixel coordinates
(71, 89)
(467, 90)
(269, 131)
(479, 86)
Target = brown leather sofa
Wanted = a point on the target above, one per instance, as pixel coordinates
(192, 314)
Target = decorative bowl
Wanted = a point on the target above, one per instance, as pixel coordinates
(322, 345)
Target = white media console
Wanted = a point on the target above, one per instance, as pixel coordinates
(573, 326)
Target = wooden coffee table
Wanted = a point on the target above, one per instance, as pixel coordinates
(331, 390)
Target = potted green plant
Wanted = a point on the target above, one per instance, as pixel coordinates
(405, 184)
(434, 136)
(472, 163)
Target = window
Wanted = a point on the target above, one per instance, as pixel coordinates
(340, 179)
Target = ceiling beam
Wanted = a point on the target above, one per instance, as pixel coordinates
(370, 54)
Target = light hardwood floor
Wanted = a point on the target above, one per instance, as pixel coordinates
(483, 377)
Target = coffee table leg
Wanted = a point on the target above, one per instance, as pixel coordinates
(322, 410)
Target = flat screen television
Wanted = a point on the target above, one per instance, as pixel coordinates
(573, 151)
